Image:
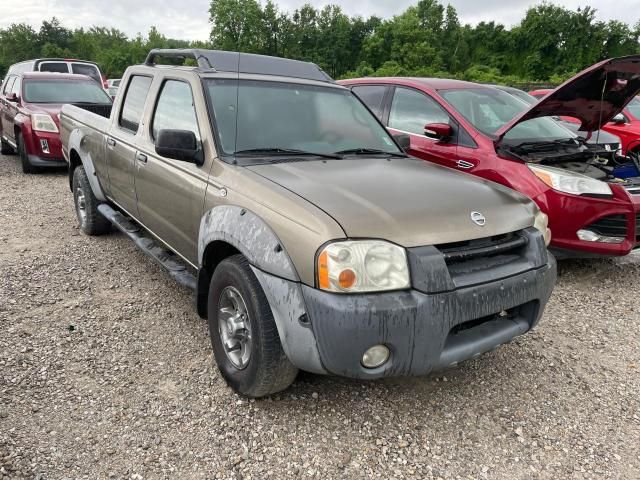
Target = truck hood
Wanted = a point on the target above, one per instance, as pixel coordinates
(407, 201)
(594, 96)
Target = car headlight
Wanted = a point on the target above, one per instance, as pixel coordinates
(42, 122)
(542, 223)
(570, 182)
(353, 266)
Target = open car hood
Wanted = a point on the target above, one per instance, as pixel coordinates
(594, 96)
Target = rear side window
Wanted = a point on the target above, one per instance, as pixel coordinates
(87, 69)
(59, 67)
(372, 96)
(412, 110)
(133, 105)
(175, 109)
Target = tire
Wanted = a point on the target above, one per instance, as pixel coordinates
(267, 369)
(24, 157)
(90, 219)
(5, 148)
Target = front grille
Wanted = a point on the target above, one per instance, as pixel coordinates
(104, 110)
(611, 226)
(482, 248)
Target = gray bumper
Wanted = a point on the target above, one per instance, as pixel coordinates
(328, 333)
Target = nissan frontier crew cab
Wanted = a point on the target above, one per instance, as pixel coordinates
(311, 240)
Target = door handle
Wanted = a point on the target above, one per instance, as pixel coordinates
(111, 142)
(141, 157)
(464, 164)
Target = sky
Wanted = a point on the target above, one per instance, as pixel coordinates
(188, 19)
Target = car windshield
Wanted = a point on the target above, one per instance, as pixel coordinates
(634, 107)
(63, 91)
(489, 109)
(266, 115)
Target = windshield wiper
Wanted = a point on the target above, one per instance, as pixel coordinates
(369, 151)
(276, 151)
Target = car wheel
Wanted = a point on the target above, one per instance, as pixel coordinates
(90, 219)
(24, 157)
(5, 148)
(245, 340)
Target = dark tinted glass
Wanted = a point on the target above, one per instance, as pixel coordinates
(59, 67)
(134, 100)
(86, 69)
(175, 109)
(372, 95)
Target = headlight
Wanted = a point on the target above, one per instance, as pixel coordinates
(362, 266)
(42, 122)
(570, 182)
(541, 223)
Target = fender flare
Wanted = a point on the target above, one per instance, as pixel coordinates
(76, 143)
(250, 235)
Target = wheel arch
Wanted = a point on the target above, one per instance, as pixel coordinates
(83, 156)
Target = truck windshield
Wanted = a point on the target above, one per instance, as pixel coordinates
(265, 115)
(489, 109)
(63, 91)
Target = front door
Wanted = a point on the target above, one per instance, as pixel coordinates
(411, 110)
(171, 192)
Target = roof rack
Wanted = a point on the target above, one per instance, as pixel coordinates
(220, 60)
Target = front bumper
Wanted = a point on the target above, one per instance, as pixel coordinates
(425, 332)
(44, 149)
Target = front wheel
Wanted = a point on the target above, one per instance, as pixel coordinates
(24, 156)
(245, 340)
(90, 219)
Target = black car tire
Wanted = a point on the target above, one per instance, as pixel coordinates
(24, 157)
(268, 370)
(5, 148)
(86, 204)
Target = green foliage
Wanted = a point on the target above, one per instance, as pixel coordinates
(549, 45)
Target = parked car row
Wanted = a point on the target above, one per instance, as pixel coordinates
(288, 203)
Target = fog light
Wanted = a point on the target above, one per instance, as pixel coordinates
(44, 145)
(589, 236)
(375, 356)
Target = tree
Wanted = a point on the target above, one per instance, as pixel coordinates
(236, 24)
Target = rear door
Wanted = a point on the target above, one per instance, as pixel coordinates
(122, 144)
(6, 122)
(171, 192)
(409, 112)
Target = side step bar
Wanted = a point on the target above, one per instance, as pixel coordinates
(160, 254)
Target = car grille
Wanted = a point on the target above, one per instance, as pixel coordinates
(102, 110)
(611, 226)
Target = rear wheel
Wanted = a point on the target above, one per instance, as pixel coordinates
(245, 340)
(5, 148)
(90, 219)
(24, 156)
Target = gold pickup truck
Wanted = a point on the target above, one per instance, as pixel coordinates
(310, 238)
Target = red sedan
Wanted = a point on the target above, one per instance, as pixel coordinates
(30, 103)
(490, 133)
(625, 125)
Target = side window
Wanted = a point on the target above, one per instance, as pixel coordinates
(372, 96)
(8, 84)
(175, 109)
(59, 67)
(15, 88)
(412, 110)
(133, 106)
(87, 69)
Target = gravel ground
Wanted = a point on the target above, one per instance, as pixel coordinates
(107, 371)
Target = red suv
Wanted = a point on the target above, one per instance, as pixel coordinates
(489, 133)
(30, 105)
(625, 125)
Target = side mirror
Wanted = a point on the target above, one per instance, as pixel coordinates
(619, 118)
(441, 131)
(179, 145)
(403, 140)
(12, 97)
